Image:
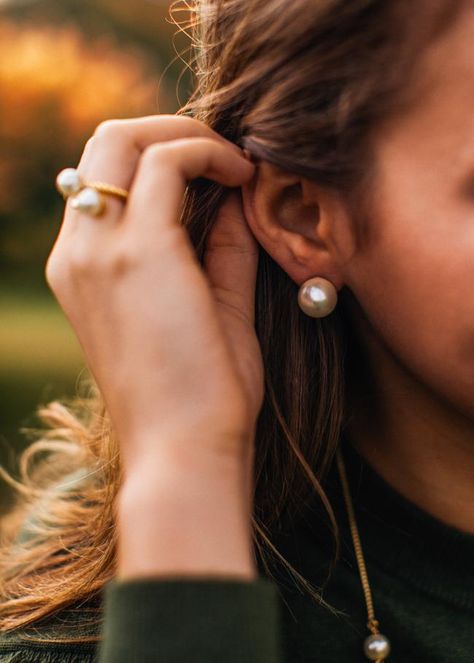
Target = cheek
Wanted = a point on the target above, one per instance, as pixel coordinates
(416, 286)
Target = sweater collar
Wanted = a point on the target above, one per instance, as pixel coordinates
(400, 537)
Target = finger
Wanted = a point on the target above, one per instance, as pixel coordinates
(157, 191)
(231, 258)
(112, 154)
(119, 144)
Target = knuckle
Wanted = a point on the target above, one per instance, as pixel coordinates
(57, 273)
(89, 144)
(121, 260)
(111, 127)
(117, 260)
(52, 271)
(156, 153)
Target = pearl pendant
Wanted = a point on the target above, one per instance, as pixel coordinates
(90, 201)
(68, 182)
(317, 297)
(376, 647)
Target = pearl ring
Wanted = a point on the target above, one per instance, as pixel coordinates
(86, 196)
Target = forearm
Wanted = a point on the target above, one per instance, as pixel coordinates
(185, 516)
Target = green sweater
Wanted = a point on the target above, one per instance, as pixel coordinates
(421, 573)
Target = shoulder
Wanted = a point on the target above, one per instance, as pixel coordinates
(70, 636)
(17, 652)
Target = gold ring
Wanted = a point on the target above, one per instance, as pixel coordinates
(86, 196)
(103, 187)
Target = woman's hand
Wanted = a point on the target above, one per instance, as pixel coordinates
(171, 345)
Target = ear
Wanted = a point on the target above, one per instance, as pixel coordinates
(306, 229)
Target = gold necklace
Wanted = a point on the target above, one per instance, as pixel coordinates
(376, 645)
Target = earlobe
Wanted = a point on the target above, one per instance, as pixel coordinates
(294, 224)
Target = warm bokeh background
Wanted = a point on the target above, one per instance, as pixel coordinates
(64, 67)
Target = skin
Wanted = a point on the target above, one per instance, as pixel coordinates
(172, 345)
(410, 291)
(423, 358)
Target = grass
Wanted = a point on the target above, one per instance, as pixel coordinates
(40, 359)
(36, 338)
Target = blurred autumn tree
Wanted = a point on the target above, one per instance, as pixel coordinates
(64, 67)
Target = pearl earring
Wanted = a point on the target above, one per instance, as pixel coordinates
(317, 297)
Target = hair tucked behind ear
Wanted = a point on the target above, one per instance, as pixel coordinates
(301, 84)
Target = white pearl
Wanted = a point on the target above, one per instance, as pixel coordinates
(376, 647)
(89, 200)
(317, 297)
(68, 182)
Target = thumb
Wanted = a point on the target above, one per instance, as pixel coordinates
(231, 258)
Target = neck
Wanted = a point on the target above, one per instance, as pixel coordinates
(412, 437)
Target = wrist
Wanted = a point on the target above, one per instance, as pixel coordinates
(168, 454)
(184, 519)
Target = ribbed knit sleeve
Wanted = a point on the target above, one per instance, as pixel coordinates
(45, 654)
(191, 620)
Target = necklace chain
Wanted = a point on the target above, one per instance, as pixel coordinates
(372, 622)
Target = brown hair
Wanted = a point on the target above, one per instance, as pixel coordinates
(301, 84)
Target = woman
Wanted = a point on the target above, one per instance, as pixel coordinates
(284, 359)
